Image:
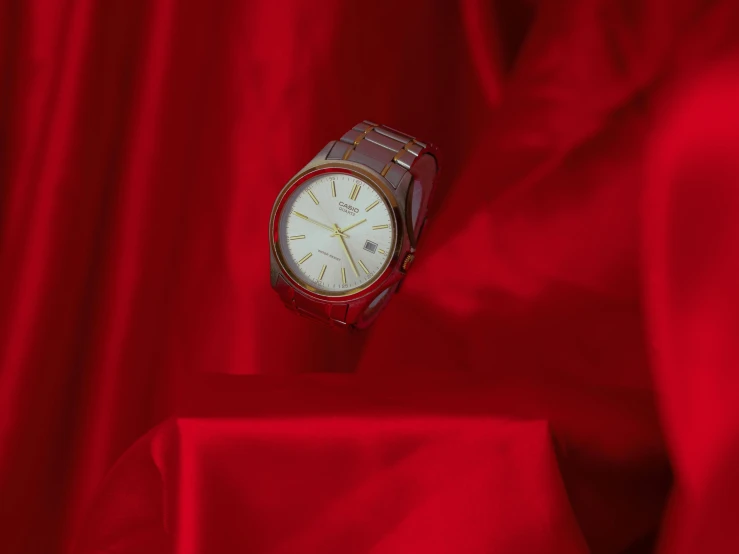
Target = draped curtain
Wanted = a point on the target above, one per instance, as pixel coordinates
(557, 374)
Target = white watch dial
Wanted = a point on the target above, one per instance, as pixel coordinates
(336, 233)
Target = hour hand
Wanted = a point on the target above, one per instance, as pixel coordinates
(314, 222)
(345, 229)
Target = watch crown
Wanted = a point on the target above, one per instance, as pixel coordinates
(407, 262)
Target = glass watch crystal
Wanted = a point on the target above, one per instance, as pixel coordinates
(336, 233)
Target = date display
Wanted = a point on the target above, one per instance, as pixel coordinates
(370, 246)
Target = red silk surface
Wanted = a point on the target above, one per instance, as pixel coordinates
(558, 373)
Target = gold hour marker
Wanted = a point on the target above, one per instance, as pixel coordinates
(381, 251)
(355, 191)
(343, 275)
(296, 237)
(368, 208)
(320, 275)
(333, 189)
(308, 255)
(376, 227)
(313, 196)
(301, 215)
(364, 267)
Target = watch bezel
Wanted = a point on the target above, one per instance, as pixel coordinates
(382, 188)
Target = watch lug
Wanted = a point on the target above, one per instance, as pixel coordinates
(274, 269)
(401, 196)
(322, 155)
(399, 285)
(401, 192)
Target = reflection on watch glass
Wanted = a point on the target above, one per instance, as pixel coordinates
(336, 233)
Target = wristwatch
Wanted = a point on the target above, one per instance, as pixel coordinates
(344, 230)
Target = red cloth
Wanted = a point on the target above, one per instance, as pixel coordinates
(558, 374)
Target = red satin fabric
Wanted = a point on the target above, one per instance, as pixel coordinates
(558, 373)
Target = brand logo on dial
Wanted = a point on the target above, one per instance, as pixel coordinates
(351, 210)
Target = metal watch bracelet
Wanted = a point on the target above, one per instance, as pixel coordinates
(403, 161)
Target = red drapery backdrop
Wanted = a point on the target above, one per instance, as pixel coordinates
(560, 372)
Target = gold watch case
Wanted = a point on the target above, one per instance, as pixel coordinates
(376, 181)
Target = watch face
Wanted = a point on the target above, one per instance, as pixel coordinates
(336, 233)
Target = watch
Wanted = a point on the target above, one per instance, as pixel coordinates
(344, 230)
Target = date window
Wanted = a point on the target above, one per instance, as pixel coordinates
(370, 246)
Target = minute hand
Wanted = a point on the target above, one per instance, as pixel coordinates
(346, 250)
